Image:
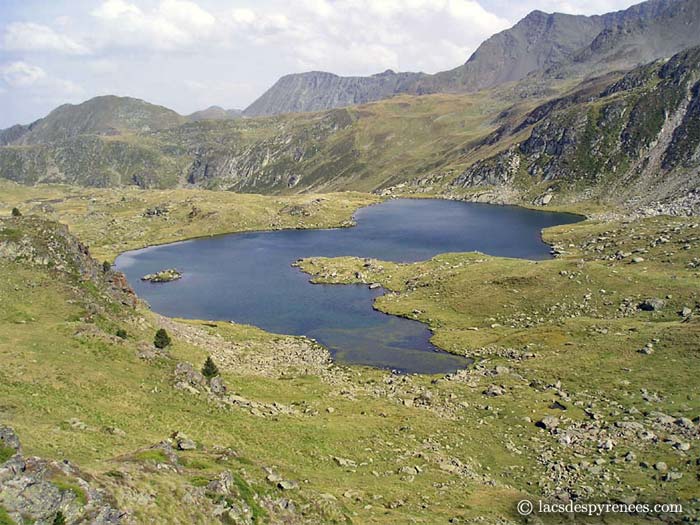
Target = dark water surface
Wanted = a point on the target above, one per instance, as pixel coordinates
(248, 277)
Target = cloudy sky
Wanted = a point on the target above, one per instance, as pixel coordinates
(190, 54)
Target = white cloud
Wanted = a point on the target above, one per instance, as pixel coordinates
(366, 36)
(114, 9)
(28, 36)
(31, 78)
(172, 25)
(21, 74)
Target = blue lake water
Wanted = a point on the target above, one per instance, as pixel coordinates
(248, 277)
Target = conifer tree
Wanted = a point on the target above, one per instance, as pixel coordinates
(162, 339)
(210, 369)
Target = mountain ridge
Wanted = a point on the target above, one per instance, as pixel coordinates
(539, 41)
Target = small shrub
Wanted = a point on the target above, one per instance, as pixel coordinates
(210, 369)
(162, 339)
(16, 212)
(121, 333)
(59, 519)
(106, 266)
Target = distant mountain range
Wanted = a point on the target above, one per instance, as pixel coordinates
(561, 106)
(554, 44)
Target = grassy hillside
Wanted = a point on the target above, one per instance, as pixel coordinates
(298, 440)
(112, 221)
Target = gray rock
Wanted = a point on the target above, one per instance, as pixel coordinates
(548, 423)
(185, 372)
(672, 476)
(651, 305)
(9, 439)
(288, 485)
(222, 484)
(183, 442)
(494, 391)
(217, 386)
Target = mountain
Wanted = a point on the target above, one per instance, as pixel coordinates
(561, 44)
(641, 34)
(619, 138)
(105, 115)
(317, 90)
(214, 113)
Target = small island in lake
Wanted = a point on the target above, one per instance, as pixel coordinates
(163, 276)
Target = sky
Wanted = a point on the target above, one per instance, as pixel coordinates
(191, 54)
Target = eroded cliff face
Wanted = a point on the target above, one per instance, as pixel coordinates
(636, 140)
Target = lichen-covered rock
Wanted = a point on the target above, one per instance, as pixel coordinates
(41, 490)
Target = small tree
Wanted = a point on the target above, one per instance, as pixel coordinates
(106, 266)
(16, 212)
(162, 339)
(121, 333)
(210, 369)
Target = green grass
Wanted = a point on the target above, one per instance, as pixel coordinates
(6, 453)
(154, 456)
(112, 221)
(80, 370)
(65, 484)
(5, 517)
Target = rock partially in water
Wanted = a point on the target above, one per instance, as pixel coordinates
(163, 276)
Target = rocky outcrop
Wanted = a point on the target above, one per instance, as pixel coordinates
(35, 490)
(635, 141)
(163, 276)
(48, 244)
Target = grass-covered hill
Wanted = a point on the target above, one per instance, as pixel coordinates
(583, 387)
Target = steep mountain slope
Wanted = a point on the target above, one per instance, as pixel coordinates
(106, 115)
(563, 44)
(317, 90)
(538, 41)
(638, 35)
(636, 141)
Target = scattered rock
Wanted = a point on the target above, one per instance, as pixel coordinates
(652, 305)
(494, 391)
(183, 442)
(217, 386)
(548, 423)
(661, 466)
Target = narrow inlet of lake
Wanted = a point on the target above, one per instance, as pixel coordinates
(248, 278)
